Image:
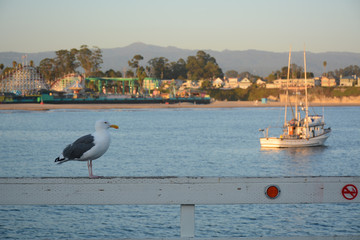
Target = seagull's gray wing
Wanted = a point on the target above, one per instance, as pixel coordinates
(79, 147)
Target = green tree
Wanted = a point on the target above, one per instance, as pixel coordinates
(159, 67)
(134, 63)
(141, 75)
(139, 70)
(129, 74)
(212, 70)
(272, 76)
(202, 66)
(112, 73)
(231, 74)
(90, 60)
(65, 62)
(47, 69)
(295, 72)
(206, 84)
(194, 69)
(84, 56)
(178, 69)
(96, 59)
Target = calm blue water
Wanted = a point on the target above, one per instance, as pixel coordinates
(176, 142)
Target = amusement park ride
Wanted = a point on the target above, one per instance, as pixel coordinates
(24, 80)
(25, 84)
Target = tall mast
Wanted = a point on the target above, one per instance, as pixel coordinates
(306, 94)
(287, 86)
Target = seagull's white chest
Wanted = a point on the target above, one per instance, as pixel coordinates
(102, 142)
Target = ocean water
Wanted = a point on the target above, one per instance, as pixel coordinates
(176, 142)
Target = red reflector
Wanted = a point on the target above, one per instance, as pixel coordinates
(272, 191)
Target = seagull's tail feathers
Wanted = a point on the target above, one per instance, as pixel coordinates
(61, 159)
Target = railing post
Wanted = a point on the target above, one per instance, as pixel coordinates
(187, 220)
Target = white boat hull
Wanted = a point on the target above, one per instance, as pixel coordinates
(274, 142)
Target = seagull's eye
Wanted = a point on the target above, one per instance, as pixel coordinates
(106, 122)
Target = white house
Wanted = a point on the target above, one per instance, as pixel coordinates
(348, 81)
(260, 82)
(218, 83)
(245, 83)
(328, 82)
(233, 82)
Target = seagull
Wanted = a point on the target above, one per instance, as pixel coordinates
(88, 147)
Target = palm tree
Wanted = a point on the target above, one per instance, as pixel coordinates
(324, 64)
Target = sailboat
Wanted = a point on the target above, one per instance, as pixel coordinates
(300, 131)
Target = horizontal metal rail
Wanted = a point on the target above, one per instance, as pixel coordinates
(184, 191)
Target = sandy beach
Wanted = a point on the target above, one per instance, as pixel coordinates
(215, 104)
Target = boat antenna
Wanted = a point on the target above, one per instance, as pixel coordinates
(287, 86)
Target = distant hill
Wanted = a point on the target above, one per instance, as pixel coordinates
(257, 62)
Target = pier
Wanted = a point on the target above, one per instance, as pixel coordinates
(187, 192)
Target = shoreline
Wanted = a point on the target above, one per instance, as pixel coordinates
(216, 104)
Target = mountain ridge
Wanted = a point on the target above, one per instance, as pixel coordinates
(257, 62)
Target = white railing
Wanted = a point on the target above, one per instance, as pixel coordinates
(184, 191)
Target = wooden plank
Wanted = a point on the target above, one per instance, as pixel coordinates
(187, 220)
(356, 237)
(174, 190)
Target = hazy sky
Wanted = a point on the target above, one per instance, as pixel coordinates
(271, 25)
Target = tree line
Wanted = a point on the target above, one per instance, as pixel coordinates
(68, 61)
(202, 66)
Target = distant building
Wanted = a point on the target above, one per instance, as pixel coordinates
(260, 82)
(218, 83)
(292, 83)
(169, 83)
(317, 82)
(348, 81)
(151, 83)
(328, 82)
(190, 84)
(233, 82)
(272, 85)
(244, 83)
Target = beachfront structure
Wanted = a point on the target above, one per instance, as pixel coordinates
(151, 83)
(24, 80)
(104, 85)
(190, 84)
(291, 83)
(271, 85)
(64, 83)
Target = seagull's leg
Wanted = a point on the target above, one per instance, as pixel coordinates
(90, 170)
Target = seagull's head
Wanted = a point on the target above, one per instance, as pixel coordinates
(103, 125)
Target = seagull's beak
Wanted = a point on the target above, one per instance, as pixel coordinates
(114, 126)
